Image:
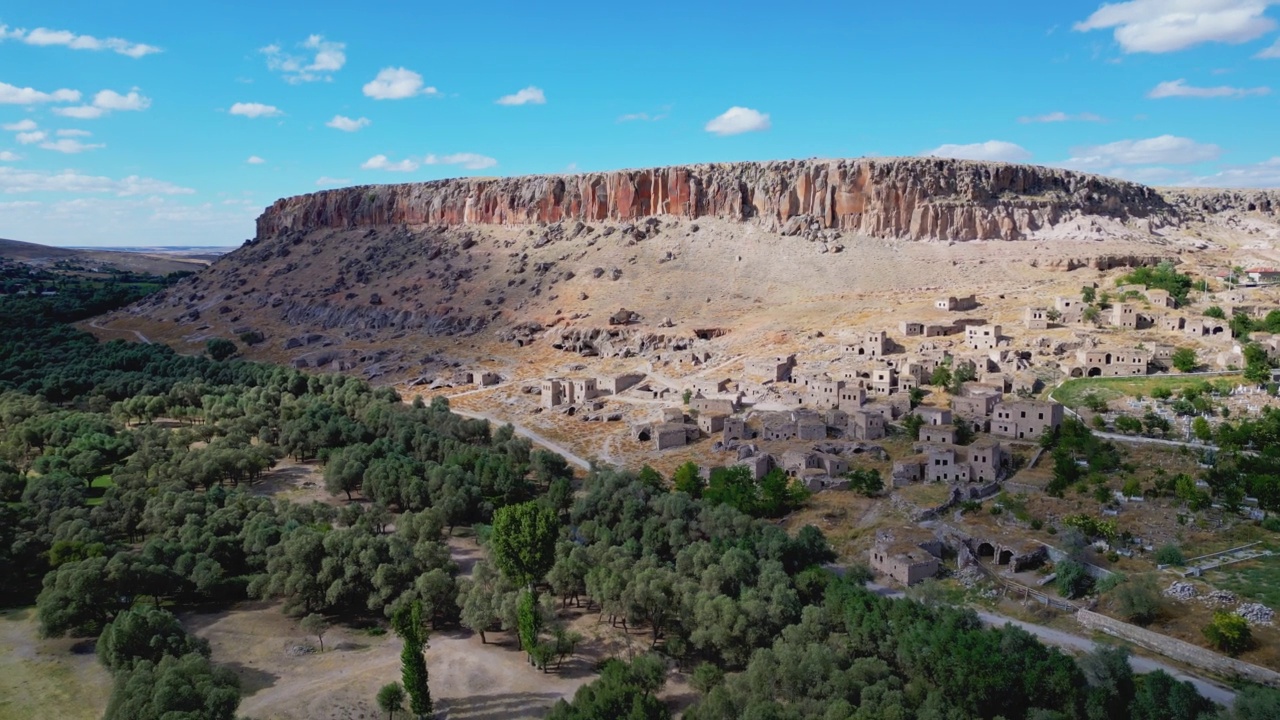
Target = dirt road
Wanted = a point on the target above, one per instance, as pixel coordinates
(535, 437)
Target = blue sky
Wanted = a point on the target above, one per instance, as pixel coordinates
(160, 123)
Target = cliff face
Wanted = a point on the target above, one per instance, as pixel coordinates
(910, 198)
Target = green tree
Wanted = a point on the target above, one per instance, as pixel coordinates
(706, 677)
(1088, 294)
(172, 689)
(1213, 311)
(1111, 683)
(941, 376)
(528, 621)
(220, 348)
(911, 425)
(391, 699)
(413, 663)
(1254, 702)
(1229, 633)
(686, 480)
(866, 482)
(1170, 555)
(1072, 581)
(1201, 429)
(523, 541)
(1257, 364)
(1091, 314)
(145, 633)
(1185, 360)
(1138, 599)
(315, 624)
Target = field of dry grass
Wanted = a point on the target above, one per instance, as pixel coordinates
(47, 678)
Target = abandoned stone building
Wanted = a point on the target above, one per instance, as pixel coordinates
(736, 429)
(866, 425)
(1025, 419)
(1104, 362)
(711, 422)
(1205, 327)
(940, 330)
(584, 389)
(1161, 298)
(911, 329)
(554, 392)
(669, 435)
(1070, 310)
(934, 415)
(982, 337)
(711, 405)
(1019, 553)
(938, 434)
(614, 384)
(778, 369)
(1035, 318)
(955, 304)
(1172, 323)
(872, 345)
(908, 555)
(1124, 316)
(757, 465)
(884, 381)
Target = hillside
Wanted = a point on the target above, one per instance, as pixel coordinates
(151, 262)
(388, 278)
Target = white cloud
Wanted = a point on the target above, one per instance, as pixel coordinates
(112, 100)
(1057, 117)
(255, 160)
(45, 36)
(35, 136)
(70, 146)
(71, 181)
(80, 112)
(380, 162)
(737, 120)
(326, 181)
(255, 110)
(1163, 150)
(528, 96)
(1159, 26)
(325, 56)
(73, 133)
(397, 84)
(9, 156)
(21, 126)
(14, 95)
(346, 124)
(991, 150)
(1270, 53)
(132, 220)
(1265, 174)
(1180, 89)
(104, 102)
(469, 161)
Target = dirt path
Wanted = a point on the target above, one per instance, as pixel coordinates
(535, 437)
(142, 338)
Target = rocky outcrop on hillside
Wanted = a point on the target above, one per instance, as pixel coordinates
(905, 198)
(1200, 203)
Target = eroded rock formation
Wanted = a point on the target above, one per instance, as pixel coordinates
(910, 198)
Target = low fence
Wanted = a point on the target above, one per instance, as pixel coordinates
(1179, 650)
(1027, 593)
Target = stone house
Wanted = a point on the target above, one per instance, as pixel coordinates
(711, 422)
(884, 381)
(778, 429)
(934, 415)
(1205, 327)
(614, 384)
(735, 429)
(851, 397)
(778, 369)
(987, 460)
(946, 464)
(908, 470)
(584, 389)
(906, 556)
(911, 329)
(796, 462)
(669, 435)
(485, 378)
(758, 465)
(710, 405)
(1035, 318)
(811, 428)
(1070, 310)
(1172, 323)
(938, 434)
(825, 393)
(957, 304)
(1161, 298)
(1026, 419)
(940, 330)
(834, 465)
(974, 408)
(1104, 362)
(553, 392)
(1124, 315)
(866, 425)
(982, 337)
(872, 344)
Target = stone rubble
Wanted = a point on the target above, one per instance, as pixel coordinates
(1256, 613)
(1181, 591)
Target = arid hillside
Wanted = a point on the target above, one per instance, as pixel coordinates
(399, 281)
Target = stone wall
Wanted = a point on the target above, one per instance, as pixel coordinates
(1179, 650)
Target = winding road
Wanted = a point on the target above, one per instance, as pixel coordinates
(525, 432)
(142, 338)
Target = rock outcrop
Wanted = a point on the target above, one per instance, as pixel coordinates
(908, 198)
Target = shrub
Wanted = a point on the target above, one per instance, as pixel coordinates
(1229, 633)
(1170, 555)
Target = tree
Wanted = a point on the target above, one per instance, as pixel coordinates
(413, 664)
(706, 677)
(1213, 311)
(182, 687)
(220, 348)
(1185, 360)
(315, 624)
(686, 480)
(523, 541)
(1091, 314)
(941, 376)
(77, 598)
(1128, 425)
(1111, 683)
(911, 425)
(1170, 555)
(145, 633)
(1138, 600)
(1072, 581)
(1088, 294)
(528, 621)
(391, 699)
(1161, 697)
(1257, 364)
(1254, 702)
(1229, 633)
(866, 482)
(1201, 429)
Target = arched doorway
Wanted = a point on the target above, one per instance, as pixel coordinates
(986, 549)
(1005, 557)
(1095, 372)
